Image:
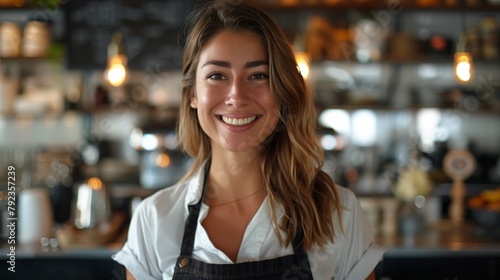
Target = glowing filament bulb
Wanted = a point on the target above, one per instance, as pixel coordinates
(303, 63)
(463, 66)
(116, 72)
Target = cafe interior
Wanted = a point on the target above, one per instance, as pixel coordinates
(408, 101)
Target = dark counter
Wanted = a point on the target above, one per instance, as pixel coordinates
(70, 264)
(442, 251)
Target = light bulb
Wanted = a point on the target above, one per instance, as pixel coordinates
(95, 183)
(302, 59)
(463, 66)
(163, 160)
(116, 71)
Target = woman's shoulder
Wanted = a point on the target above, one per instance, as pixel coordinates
(157, 226)
(352, 212)
(346, 196)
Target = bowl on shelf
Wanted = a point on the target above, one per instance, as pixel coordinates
(486, 218)
(485, 209)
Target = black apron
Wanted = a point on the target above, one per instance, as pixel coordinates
(295, 266)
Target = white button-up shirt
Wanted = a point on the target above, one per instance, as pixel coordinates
(157, 227)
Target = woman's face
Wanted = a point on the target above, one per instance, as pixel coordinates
(232, 93)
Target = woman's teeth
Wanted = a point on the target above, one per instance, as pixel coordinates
(235, 121)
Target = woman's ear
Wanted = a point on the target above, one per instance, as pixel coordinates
(194, 101)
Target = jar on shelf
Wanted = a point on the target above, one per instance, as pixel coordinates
(426, 2)
(37, 39)
(449, 2)
(10, 39)
(489, 33)
(473, 2)
(473, 37)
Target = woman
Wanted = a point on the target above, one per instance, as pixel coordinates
(255, 204)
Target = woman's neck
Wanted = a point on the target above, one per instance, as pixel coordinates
(233, 176)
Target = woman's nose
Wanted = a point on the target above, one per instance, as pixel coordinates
(238, 94)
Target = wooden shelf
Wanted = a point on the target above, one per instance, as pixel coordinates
(374, 5)
(22, 59)
(415, 59)
(413, 107)
(125, 108)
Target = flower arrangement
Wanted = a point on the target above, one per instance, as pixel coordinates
(412, 182)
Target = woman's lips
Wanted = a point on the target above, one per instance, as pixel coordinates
(238, 121)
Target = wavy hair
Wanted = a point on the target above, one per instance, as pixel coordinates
(290, 158)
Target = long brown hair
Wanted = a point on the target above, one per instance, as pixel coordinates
(291, 158)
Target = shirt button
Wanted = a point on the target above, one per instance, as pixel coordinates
(183, 262)
(250, 260)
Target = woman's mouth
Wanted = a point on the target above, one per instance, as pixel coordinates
(238, 121)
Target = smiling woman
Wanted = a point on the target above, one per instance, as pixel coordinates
(232, 93)
(255, 204)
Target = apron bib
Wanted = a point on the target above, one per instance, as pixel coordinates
(295, 266)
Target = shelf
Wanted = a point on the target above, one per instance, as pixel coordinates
(374, 5)
(127, 108)
(34, 7)
(24, 14)
(31, 59)
(480, 110)
(415, 59)
(395, 59)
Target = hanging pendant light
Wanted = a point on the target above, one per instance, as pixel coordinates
(463, 66)
(116, 72)
(302, 57)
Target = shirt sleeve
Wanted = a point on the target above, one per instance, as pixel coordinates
(360, 252)
(137, 255)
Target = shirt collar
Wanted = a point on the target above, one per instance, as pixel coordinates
(195, 185)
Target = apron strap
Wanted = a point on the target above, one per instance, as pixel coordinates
(297, 242)
(192, 220)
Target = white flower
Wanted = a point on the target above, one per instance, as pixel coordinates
(412, 182)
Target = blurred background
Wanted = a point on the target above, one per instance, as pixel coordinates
(408, 99)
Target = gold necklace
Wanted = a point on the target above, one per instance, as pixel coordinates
(239, 199)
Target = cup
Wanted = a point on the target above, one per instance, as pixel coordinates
(35, 217)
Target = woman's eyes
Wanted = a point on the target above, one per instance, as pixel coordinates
(220, 76)
(260, 76)
(216, 76)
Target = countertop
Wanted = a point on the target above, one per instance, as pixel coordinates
(443, 239)
(441, 251)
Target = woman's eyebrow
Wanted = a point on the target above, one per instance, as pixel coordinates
(227, 64)
(256, 63)
(221, 63)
